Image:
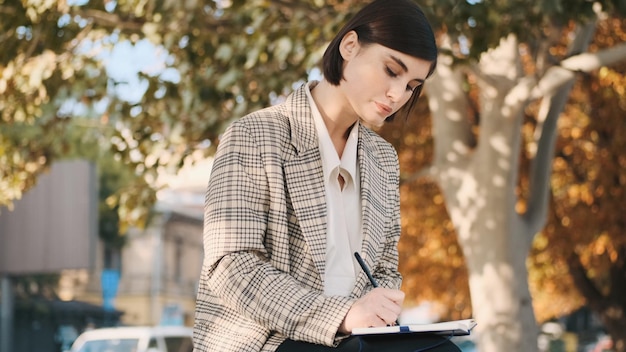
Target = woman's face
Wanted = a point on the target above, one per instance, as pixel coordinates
(378, 81)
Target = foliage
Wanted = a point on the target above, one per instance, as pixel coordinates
(31, 292)
(112, 178)
(229, 57)
(588, 189)
(224, 58)
(40, 285)
(594, 149)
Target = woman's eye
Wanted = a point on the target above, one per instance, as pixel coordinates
(412, 88)
(390, 72)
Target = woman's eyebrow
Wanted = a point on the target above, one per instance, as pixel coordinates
(399, 62)
(403, 66)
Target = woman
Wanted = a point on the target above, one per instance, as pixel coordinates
(296, 189)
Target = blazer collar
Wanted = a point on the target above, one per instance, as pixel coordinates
(304, 135)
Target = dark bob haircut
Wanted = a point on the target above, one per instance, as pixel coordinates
(396, 24)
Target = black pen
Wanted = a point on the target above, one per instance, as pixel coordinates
(365, 269)
(367, 272)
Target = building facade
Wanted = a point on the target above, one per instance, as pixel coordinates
(159, 268)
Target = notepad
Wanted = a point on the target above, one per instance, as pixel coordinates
(454, 327)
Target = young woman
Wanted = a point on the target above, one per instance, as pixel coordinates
(296, 189)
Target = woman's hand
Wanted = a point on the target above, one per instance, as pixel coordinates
(379, 307)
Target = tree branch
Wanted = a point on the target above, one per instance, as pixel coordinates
(6, 35)
(33, 43)
(135, 24)
(545, 134)
(448, 105)
(7, 10)
(595, 299)
(293, 5)
(556, 76)
(110, 20)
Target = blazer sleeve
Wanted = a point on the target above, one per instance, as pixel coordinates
(239, 270)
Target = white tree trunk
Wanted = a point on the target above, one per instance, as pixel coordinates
(479, 177)
(478, 182)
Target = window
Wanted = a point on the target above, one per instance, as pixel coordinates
(178, 259)
(178, 344)
(153, 343)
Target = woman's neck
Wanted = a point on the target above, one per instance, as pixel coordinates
(336, 112)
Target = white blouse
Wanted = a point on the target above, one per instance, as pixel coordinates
(343, 207)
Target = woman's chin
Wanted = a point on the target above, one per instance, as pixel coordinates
(373, 123)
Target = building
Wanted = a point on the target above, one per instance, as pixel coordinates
(160, 265)
(53, 232)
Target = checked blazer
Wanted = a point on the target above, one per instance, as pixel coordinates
(265, 233)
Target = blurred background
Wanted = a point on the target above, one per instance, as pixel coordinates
(513, 163)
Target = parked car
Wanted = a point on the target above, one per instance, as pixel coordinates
(604, 344)
(465, 343)
(135, 339)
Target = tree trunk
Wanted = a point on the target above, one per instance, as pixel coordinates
(479, 183)
(506, 316)
(479, 177)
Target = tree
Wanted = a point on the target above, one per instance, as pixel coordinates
(498, 57)
(476, 163)
(586, 180)
(584, 242)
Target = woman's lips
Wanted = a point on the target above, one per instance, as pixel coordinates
(383, 108)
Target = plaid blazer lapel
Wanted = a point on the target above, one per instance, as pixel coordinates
(305, 178)
(374, 186)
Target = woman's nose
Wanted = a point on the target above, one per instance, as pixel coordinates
(395, 91)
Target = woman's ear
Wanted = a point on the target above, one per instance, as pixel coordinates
(349, 45)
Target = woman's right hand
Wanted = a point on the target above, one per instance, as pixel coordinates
(379, 307)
